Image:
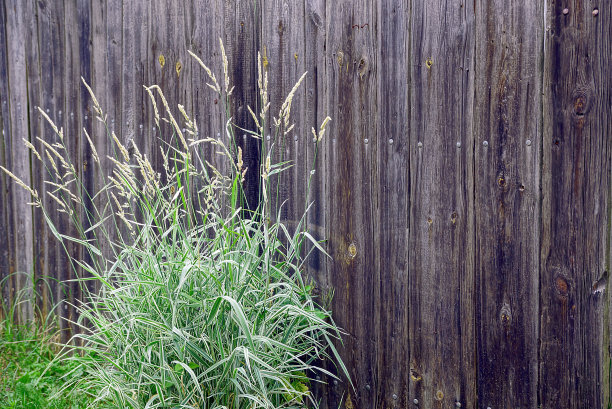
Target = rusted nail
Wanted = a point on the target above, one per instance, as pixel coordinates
(439, 395)
(420, 144)
(595, 12)
(565, 12)
(528, 142)
(485, 144)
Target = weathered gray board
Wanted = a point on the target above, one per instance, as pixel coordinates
(464, 184)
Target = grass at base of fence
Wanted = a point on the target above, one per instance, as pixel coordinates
(29, 375)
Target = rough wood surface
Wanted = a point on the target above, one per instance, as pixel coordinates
(441, 262)
(507, 195)
(577, 149)
(462, 273)
(18, 158)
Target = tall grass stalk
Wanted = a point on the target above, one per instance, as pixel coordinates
(201, 303)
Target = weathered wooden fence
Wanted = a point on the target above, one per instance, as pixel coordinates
(464, 185)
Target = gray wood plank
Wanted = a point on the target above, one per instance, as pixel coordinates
(242, 35)
(392, 210)
(19, 162)
(441, 265)
(40, 281)
(574, 360)
(50, 42)
(351, 189)
(73, 140)
(6, 229)
(507, 199)
(205, 28)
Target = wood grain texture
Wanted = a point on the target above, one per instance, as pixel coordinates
(392, 218)
(350, 187)
(577, 148)
(18, 157)
(507, 199)
(242, 28)
(6, 227)
(462, 273)
(441, 263)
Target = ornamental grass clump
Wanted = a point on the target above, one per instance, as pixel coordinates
(200, 303)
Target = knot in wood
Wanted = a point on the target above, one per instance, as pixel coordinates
(581, 97)
(505, 315)
(562, 286)
(352, 250)
(316, 19)
(363, 65)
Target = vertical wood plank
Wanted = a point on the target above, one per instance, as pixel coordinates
(575, 190)
(242, 36)
(6, 229)
(282, 41)
(393, 158)
(351, 188)
(19, 162)
(507, 201)
(205, 30)
(73, 138)
(441, 294)
(40, 280)
(50, 46)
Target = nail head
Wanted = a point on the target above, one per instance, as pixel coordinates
(458, 404)
(565, 12)
(420, 144)
(415, 401)
(485, 144)
(394, 397)
(367, 387)
(458, 144)
(595, 12)
(391, 141)
(528, 142)
(335, 382)
(366, 140)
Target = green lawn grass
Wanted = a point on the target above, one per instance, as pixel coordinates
(29, 375)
